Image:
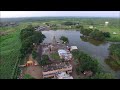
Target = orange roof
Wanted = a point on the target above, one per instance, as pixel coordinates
(29, 61)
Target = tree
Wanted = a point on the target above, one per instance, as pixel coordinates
(115, 51)
(97, 35)
(44, 60)
(88, 63)
(79, 26)
(34, 54)
(64, 39)
(29, 36)
(68, 23)
(106, 34)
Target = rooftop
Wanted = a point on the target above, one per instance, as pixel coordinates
(56, 66)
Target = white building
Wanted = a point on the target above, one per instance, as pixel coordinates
(106, 23)
(73, 48)
(91, 27)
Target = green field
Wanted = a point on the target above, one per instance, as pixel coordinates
(9, 50)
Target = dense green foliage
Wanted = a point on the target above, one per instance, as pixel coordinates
(95, 34)
(114, 58)
(102, 76)
(106, 34)
(86, 62)
(44, 60)
(64, 39)
(86, 31)
(34, 54)
(55, 56)
(68, 23)
(29, 36)
(115, 51)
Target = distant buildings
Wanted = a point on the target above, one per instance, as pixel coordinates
(41, 28)
(91, 27)
(3, 24)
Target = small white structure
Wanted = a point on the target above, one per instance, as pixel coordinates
(114, 33)
(91, 27)
(73, 48)
(106, 23)
(63, 75)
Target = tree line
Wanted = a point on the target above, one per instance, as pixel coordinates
(29, 37)
(95, 34)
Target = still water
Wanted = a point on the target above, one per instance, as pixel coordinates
(94, 48)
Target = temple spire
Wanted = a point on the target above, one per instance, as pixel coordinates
(54, 42)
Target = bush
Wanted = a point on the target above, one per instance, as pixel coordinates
(44, 60)
(106, 34)
(64, 39)
(34, 54)
(55, 56)
(68, 23)
(87, 63)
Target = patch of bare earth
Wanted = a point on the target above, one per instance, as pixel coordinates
(34, 71)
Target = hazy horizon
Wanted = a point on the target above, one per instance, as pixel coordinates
(28, 14)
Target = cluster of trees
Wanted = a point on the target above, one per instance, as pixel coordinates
(64, 39)
(68, 23)
(87, 63)
(44, 60)
(29, 36)
(115, 52)
(95, 34)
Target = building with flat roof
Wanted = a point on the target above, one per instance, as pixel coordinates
(52, 69)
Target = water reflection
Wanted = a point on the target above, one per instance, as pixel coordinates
(92, 41)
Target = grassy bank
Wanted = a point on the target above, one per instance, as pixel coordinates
(9, 50)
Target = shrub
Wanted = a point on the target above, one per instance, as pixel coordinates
(64, 39)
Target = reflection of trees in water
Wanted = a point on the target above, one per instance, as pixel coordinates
(92, 41)
(112, 63)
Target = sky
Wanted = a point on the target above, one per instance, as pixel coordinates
(15, 14)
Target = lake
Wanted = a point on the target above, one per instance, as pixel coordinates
(94, 48)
